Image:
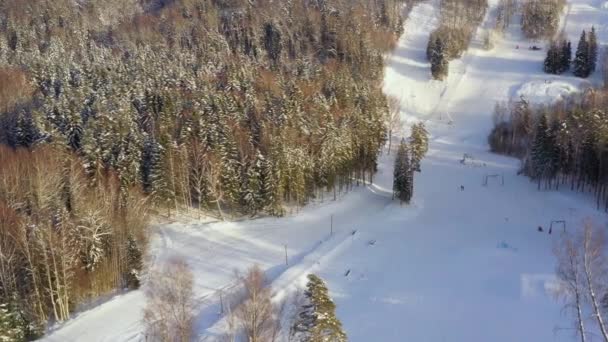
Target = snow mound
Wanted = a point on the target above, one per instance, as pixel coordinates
(605, 5)
(546, 91)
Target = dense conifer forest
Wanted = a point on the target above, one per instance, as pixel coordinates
(112, 109)
(561, 145)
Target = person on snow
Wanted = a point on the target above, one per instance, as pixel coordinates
(462, 188)
(540, 229)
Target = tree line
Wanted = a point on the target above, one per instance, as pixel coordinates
(563, 144)
(63, 241)
(231, 107)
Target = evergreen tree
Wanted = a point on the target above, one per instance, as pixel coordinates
(317, 321)
(27, 131)
(419, 144)
(439, 61)
(11, 324)
(328, 40)
(231, 170)
(134, 263)
(270, 198)
(402, 174)
(150, 161)
(592, 50)
(553, 61)
(252, 186)
(272, 42)
(543, 156)
(581, 59)
(566, 55)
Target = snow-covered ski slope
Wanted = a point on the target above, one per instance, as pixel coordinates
(452, 266)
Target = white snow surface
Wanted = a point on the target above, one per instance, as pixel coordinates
(453, 265)
(544, 92)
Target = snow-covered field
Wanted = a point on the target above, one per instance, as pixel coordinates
(452, 266)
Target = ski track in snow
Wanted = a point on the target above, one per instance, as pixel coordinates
(453, 265)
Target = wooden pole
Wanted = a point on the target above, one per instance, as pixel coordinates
(331, 227)
(286, 263)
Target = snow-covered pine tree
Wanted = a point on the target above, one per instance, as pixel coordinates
(317, 321)
(592, 50)
(541, 155)
(134, 263)
(11, 326)
(581, 60)
(150, 159)
(402, 174)
(553, 61)
(163, 175)
(251, 192)
(270, 197)
(419, 144)
(27, 131)
(231, 170)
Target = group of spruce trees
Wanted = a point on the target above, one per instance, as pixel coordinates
(408, 161)
(564, 144)
(234, 107)
(559, 56)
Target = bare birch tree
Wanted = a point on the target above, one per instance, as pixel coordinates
(571, 289)
(168, 316)
(595, 271)
(256, 313)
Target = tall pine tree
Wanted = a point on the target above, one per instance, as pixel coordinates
(592, 50)
(402, 174)
(419, 144)
(581, 59)
(544, 156)
(317, 321)
(553, 60)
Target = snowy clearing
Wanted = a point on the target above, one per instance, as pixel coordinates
(452, 266)
(546, 91)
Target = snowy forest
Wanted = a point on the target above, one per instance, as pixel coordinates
(563, 144)
(112, 112)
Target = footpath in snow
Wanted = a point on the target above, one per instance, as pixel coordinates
(452, 266)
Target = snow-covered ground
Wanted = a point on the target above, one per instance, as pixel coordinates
(452, 266)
